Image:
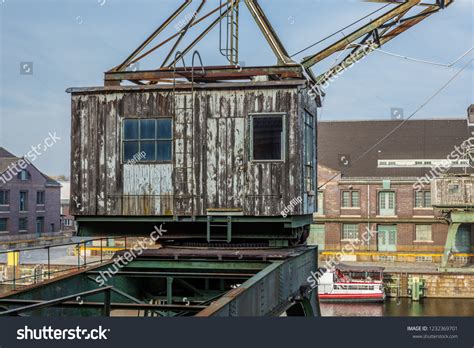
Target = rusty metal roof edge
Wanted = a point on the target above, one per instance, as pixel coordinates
(224, 85)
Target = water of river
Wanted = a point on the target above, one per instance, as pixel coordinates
(428, 307)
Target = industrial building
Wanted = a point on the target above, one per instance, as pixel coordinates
(29, 199)
(389, 188)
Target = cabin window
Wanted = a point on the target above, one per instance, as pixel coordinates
(423, 199)
(4, 197)
(267, 132)
(147, 140)
(423, 233)
(453, 189)
(350, 199)
(350, 231)
(309, 147)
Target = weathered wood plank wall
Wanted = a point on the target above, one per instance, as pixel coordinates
(212, 147)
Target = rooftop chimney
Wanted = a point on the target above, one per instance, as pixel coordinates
(470, 115)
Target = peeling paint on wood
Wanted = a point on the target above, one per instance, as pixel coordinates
(211, 167)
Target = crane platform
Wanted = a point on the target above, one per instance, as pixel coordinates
(177, 281)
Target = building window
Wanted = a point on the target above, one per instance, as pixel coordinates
(52, 228)
(320, 203)
(4, 197)
(387, 203)
(309, 145)
(147, 140)
(23, 224)
(23, 200)
(350, 231)
(350, 199)
(24, 175)
(40, 197)
(422, 199)
(423, 233)
(40, 225)
(3, 225)
(267, 132)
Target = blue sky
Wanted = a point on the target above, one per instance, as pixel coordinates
(72, 42)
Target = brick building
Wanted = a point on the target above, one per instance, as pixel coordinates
(29, 200)
(366, 184)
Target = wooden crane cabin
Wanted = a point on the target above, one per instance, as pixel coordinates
(215, 156)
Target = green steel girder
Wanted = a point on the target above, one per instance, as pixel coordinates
(464, 217)
(204, 265)
(457, 218)
(272, 291)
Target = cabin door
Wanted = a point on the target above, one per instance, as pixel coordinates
(387, 238)
(225, 164)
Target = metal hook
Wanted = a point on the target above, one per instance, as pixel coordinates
(196, 53)
(177, 57)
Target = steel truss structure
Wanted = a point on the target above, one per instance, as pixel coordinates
(397, 17)
(179, 282)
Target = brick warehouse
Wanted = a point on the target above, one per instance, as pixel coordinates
(351, 170)
(29, 200)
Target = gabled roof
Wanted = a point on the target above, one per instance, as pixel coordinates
(5, 154)
(415, 139)
(7, 159)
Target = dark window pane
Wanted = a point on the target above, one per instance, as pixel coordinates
(164, 129)
(267, 137)
(164, 151)
(130, 148)
(147, 129)
(149, 148)
(130, 129)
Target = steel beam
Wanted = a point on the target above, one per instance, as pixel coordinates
(343, 43)
(270, 292)
(157, 32)
(268, 32)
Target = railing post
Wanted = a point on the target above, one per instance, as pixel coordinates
(101, 242)
(49, 263)
(85, 254)
(14, 272)
(107, 303)
(78, 256)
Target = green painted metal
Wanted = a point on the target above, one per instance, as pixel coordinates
(466, 217)
(196, 264)
(169, 290)
(450, 240)
(271, 291)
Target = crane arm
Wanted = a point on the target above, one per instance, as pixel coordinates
(373, 35)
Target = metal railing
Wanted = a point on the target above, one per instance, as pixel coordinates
(13, 263)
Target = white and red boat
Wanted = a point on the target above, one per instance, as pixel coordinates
(352, 284)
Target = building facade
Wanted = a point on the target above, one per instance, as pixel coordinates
(377, 199)
(29, 200)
